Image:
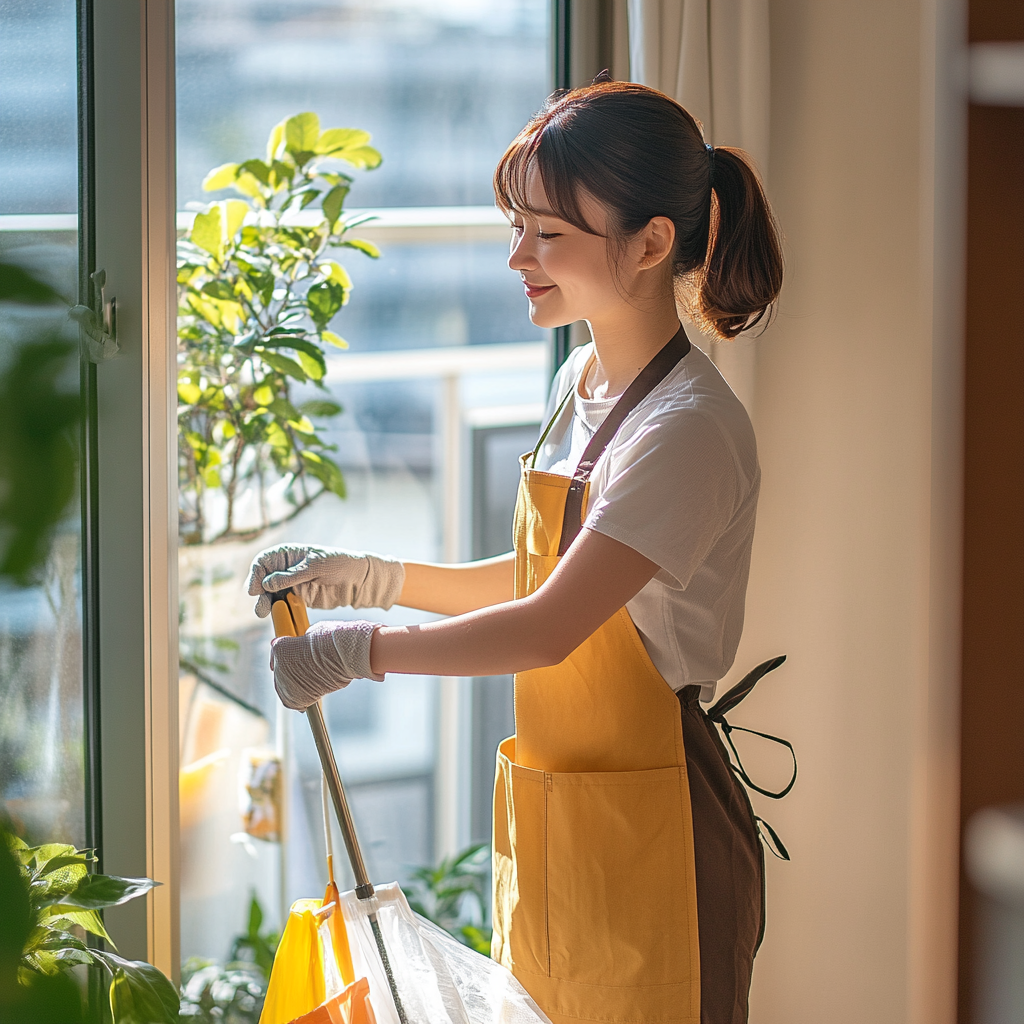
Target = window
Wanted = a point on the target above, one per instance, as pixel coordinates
(42, 727)
(441, 387)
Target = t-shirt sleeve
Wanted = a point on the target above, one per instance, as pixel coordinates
(668, 491)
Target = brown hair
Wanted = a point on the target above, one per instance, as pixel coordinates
(640, 154)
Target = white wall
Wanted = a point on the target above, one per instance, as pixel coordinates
(855, 561)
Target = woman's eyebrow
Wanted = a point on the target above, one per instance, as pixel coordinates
(534, 212)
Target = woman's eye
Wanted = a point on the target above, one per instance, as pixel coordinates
(547, 234)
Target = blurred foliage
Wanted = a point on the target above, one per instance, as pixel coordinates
(211, 994)
(255, 945)
(257, 293)
(50, 901)
(454, 896)
(40, 409)
(233, 993)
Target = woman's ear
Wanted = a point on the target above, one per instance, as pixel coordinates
(658, 240)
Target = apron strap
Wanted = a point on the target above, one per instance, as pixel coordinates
(728, 702)
(717, 714)
(644, 383)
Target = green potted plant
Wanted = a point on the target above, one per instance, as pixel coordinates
(51, 901)
(259, 286)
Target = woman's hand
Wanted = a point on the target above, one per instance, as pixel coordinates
(325, 577)
(328, 657)
(591, 583)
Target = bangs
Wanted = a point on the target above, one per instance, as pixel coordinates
(541, 144)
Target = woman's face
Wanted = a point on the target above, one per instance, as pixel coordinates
(566, 272)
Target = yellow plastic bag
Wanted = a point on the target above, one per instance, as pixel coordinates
(297, 985)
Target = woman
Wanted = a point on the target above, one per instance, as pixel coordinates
(627, 867)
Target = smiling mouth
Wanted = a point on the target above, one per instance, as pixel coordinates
(533, 290)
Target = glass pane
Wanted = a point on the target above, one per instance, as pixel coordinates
(41, 723)
(442, 363)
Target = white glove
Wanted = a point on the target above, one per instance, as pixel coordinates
(328, 657)
(325, 577)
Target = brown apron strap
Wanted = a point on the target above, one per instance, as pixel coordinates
(645, 382)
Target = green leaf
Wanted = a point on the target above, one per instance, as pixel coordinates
(334, 271)
(54, 961)
(57, 863)
(334, 339)
(263, 395)
(301, 133)
(207, 232)
(333, 203)
(299, 343)
(364, 157)
(255, 918)
(325, 470)
(283, 409)
(44, 937)
(274, 141)
(95, 892)
(249, 185)
(219, 290)
(284, 365)
(320, 407)
(324, 300)
(56, 916)
(235, 211)
(189, 393)
(48, 851)
(220, 177)
(258, 169)
(313, 367)
(277, 438)
(334, 139)
(363, 246)
(139, 993)
(335, 178)
(281, 171)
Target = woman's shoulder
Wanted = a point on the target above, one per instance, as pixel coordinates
(694, 407)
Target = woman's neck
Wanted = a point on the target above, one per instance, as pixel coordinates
(623, 349)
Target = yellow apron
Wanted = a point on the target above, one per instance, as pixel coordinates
(595, 907)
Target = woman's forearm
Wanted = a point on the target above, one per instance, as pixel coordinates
(497, 640)
(595, 579)
(455, 589)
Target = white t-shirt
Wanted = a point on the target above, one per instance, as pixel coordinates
(678, 483)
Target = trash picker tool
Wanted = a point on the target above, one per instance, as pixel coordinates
(288, 611)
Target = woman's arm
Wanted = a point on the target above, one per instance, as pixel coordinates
(455, 589)
(592, 582)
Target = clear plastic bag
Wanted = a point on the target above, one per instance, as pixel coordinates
(439, 980)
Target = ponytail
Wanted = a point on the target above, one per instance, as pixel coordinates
(642, 155)
(742, 273)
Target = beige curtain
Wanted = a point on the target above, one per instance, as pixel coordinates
(713, 57)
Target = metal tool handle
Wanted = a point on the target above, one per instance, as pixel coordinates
(290, 619)
(315, 714)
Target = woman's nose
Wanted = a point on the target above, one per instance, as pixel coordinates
(520, 254)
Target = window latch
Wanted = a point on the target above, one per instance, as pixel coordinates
(98, 322)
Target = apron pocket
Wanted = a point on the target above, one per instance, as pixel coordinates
(519, 881)
(619, 874)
